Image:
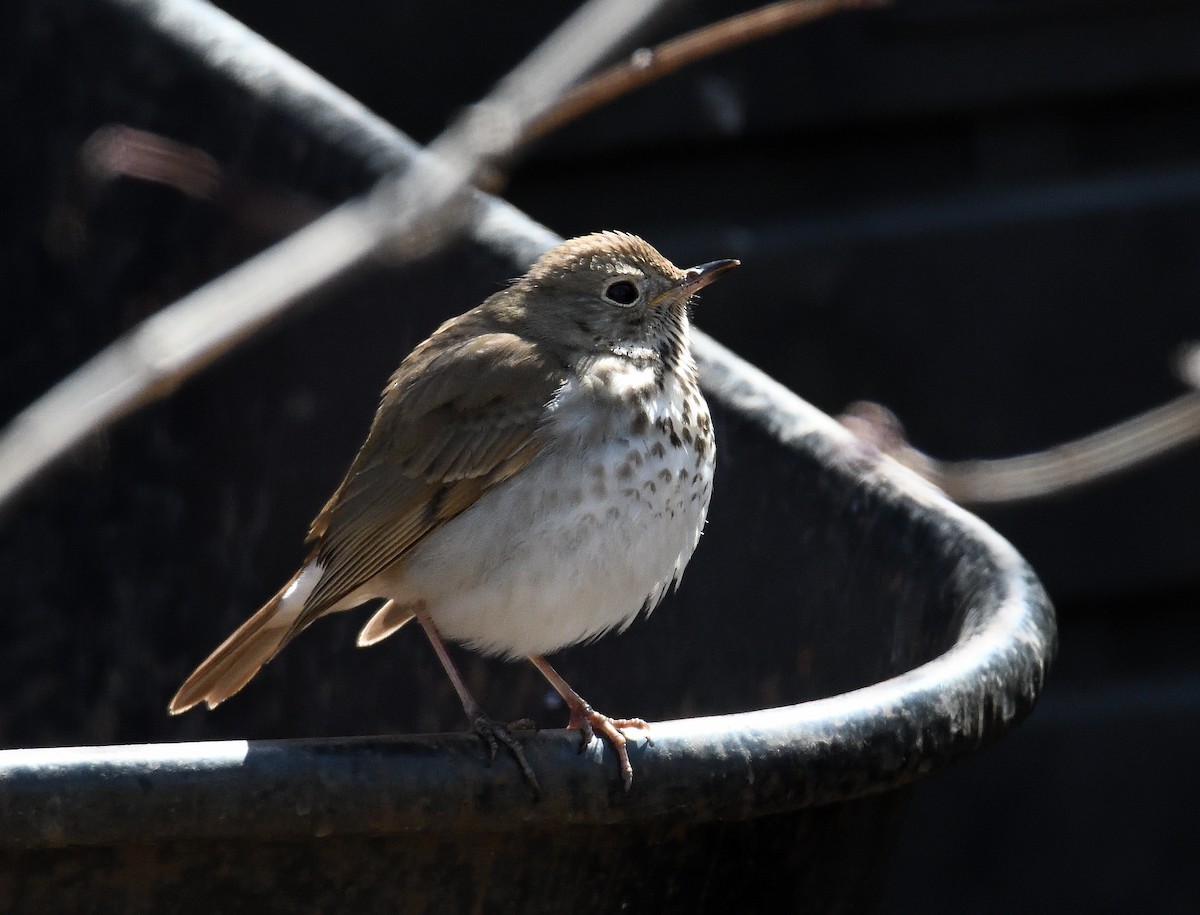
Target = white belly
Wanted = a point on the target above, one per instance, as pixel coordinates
(578, 542)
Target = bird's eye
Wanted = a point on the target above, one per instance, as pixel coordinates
(622, 292)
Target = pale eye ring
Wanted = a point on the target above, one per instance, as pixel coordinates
(622, 292)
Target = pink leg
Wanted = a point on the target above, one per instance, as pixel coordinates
(491, 732)
(587, 720)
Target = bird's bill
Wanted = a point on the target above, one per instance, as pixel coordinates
(696, 278)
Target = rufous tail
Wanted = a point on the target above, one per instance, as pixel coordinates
(244, 653)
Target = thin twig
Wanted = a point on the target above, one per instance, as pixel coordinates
(648, 64)
(120, 151)
(404, 216)
(1094, 457)
(174, 164)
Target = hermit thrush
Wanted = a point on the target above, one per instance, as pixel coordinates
(538, 473)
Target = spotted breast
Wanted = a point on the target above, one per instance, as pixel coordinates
(595, 529)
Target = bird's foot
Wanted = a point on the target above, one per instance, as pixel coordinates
(588, 721)
(496, 733)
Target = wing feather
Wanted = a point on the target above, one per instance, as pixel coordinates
(454, 421)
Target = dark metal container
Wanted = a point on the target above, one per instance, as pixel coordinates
(842, 630)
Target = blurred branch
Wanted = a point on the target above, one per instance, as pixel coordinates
(121, 151)
(648, 64)
(405, 215)
(125, 151)
(1102, 454)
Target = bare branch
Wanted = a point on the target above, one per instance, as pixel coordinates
(127, 151)
(404, 216)
(1102, 454)
(120, 151)
(648, 64)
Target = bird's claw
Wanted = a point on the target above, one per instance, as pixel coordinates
(588, 721)
(494, 733)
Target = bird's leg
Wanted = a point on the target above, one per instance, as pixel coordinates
(491, 732)
(587, 720)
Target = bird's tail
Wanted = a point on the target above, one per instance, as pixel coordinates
(255, 642)
(387, 619)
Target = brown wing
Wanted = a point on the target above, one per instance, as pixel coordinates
(457, 418)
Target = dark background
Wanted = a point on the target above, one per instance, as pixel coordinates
(985, 215)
